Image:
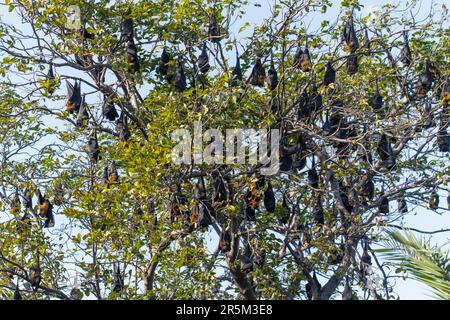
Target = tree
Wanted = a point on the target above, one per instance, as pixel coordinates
(361, 103)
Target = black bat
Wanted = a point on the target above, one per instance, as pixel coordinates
(109, 111)
(28, 199)
(258, 74)
(131, 56)
(164, 60)
(377, 100)
(83, 115)
(203, 60)
(286, 160)
(302, 59)
(272, 77)
(236, 75)
(405, 52)
(352, 64)
(402, 206)
(349, 35)
(225, 240)
(118, 281)
(220, 193)
(425, 81)
(213, 29)
(74, 98)
(433, 203)
(313, 177)
(113, 174)
(51, 78)
(180, 77)
(318, 212)
(17, 296)
(269, 198)
(330, 75)
(247, 259)
(93, 148)
(122, 127)
(315, 99)
(127, 29)
(368, 189)
(384, 203)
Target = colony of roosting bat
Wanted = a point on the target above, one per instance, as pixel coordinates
(212, 198)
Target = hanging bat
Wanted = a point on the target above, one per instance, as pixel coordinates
(402, 206)
(285, 159)
(344, 190)
(118, 281)
(377, 100)
(384, 148)
(213, 29)
(347, 293)
(203, 60)
(164, 60)
(425, 81)
(318, 212)
(352, 64)
(405, 52)
(58, 199)
(303, 106)
(45, 207)
(131, 57)
(220, 193)
(93, 149)
(200, 189)
(445, 91)
(384, 203)
(330, 75)
(204, 218)
(236, 75)
(85, 34)
(127, 29)
(180, 78)
(366, 40)
(368, 189)
(109, 111)
(272, 77)
(315, 100)
(83, 115)
(35, 277)
(302, 59)
(17, 296)
(448, 200)
(269, 198)
(225, 240)
(284, 214)
(113, 175)
(247, 260)
(51, 80)
(313, 177)
(122, 127)
(74, 99)
(259, 257)
(433, 203)
(349, 35)
(15, 205)
(427, 116)
(28, 200)
(258, 74)
(194, 217)
(443, 140)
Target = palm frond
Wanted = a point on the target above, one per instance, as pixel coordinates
(424, 262)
